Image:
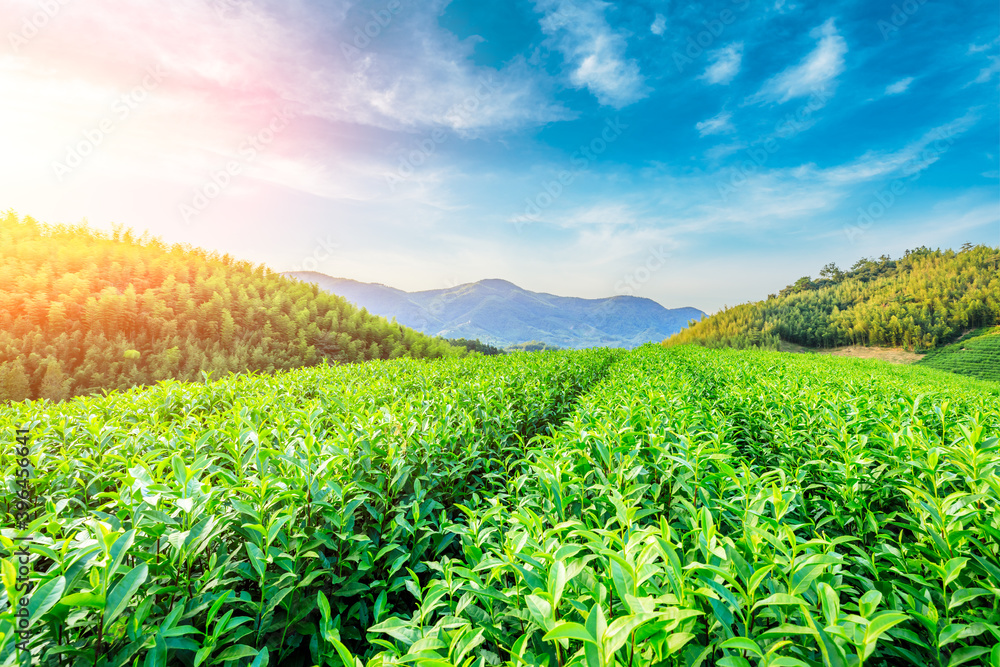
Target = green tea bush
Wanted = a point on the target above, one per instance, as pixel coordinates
(734, 509)
(656, 508)
(977, 355)
(216, 513)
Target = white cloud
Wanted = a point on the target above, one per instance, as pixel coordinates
(720, 151)
(725, 64)
(659, 25)
(993, 65)
(907, 161)
(987, 72)
(594, 50)
(604, 214)
(718, 124)
(977, 48)
(899, 87)
(412, 74)
(817, 72)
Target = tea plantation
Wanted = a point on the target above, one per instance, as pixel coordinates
(977, 355)
(652, 508)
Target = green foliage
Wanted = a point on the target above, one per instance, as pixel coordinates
(976, 354)
(55, 384)
(476, 346)
(115, 311)
(925, 298)
(531, 346)
(198, 523)
(14, 382)
(655, 508)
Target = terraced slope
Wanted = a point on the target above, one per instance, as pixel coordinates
(976, 354)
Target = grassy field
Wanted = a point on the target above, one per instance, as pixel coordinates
(652, 508)
(976, 354)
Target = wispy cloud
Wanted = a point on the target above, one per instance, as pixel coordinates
(605, 214)
(977, 48)
(899, 87)
(444, 87)
(718, 124)
(659, 25)
(411, 75)
(907, 161)
(720, 151)
(987, 72)
(725, 64)
(594, 50)
(816, 72)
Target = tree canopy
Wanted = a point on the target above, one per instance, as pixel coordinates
(82, 310)
(922, 300)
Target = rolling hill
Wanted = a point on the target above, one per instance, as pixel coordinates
(501, 313)
(82, 311)
(920, 301)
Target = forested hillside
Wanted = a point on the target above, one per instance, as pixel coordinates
(920, 301)
(81, 311)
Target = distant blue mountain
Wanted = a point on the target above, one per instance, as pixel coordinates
(502, 314)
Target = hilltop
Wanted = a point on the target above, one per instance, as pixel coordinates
(82, 311)
(921, 301)
(500, 313)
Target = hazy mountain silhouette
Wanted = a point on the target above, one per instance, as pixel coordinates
(501, 313)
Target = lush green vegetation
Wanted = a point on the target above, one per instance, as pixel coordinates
(678, 507)
(922, 300)
(82, 311)
(976, 354)
(476, 346)
(531, 346)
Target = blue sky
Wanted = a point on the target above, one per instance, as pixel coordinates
(697, 154)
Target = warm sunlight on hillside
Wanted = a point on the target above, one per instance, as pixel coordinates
(499, 333)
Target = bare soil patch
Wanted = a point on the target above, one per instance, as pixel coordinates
(894, 355)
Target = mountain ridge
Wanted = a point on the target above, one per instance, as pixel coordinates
(499, 312)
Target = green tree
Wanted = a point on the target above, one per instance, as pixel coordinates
(55, 384)
(14, 384)
(227, 329)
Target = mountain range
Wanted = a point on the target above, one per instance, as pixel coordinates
(502, 314)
